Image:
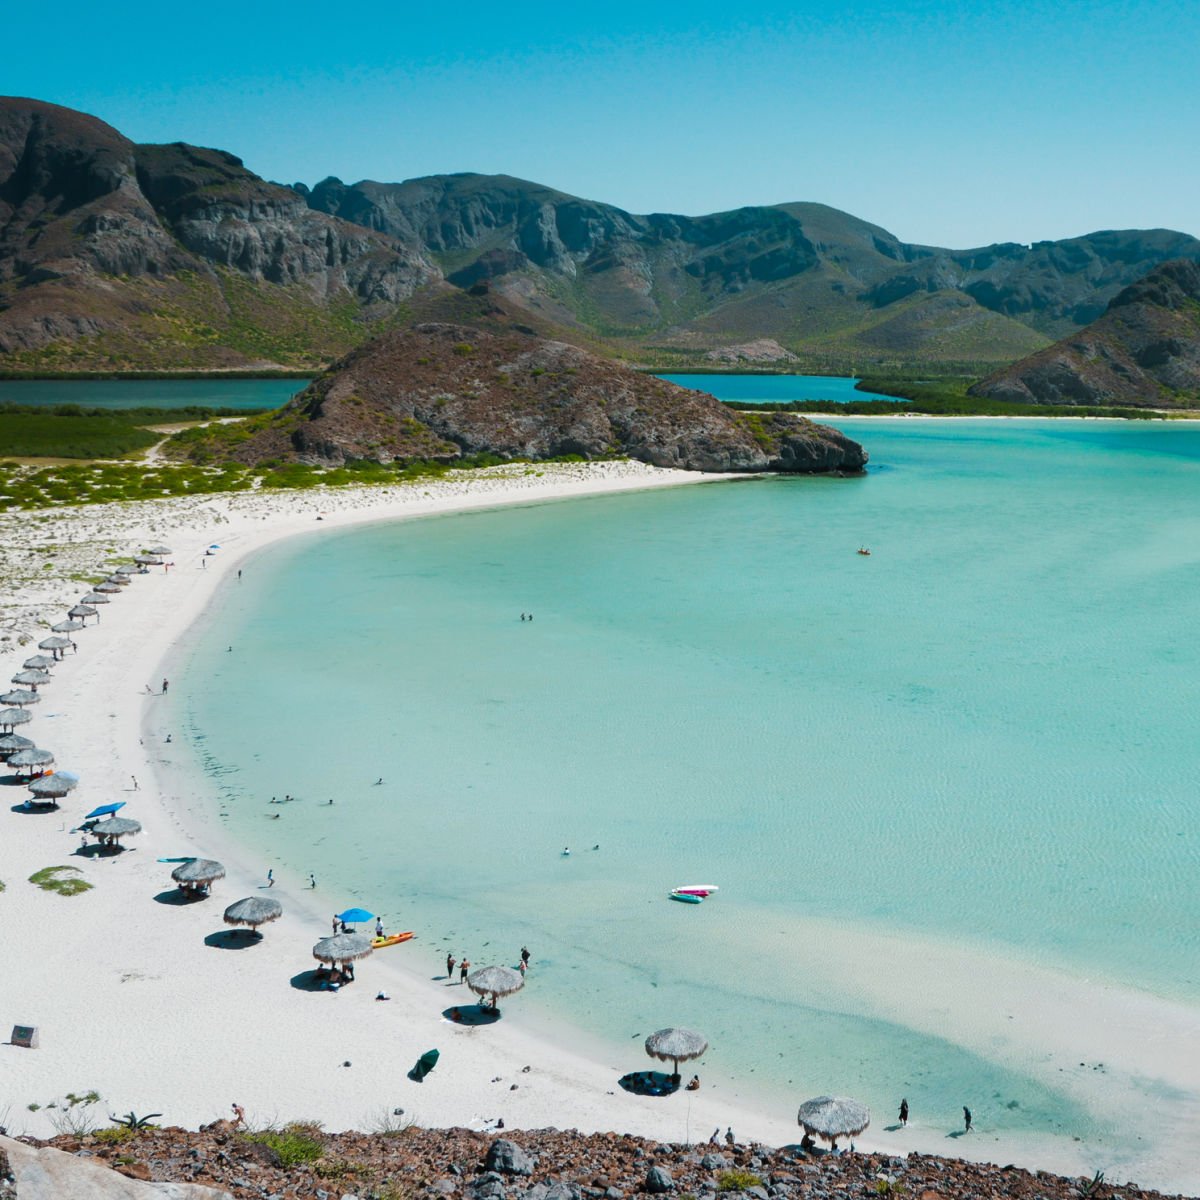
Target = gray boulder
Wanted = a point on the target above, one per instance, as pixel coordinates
(509, 1159)
(659, 1181)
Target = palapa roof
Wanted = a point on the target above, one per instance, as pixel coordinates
(52, 785)
(54, 643)
(20, 697)
(833, 1116)
(495, 981)
(40, 662)
(10, 743)
(676, 1045)
(32, 756)
(95, 598)
(66, 626)
(254, 910)
(148, 560)
(119, 580)
(109, 588)
(124, 569)
(32, 677)
(199, 870)
(14, 716)
(159, 549)
(116, 827)
(342, 947)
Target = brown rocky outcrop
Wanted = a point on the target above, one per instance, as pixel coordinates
(449, 390)
(434, 1164)
(1143, 352)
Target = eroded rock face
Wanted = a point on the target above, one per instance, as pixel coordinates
(446, 390)
(1143, 352)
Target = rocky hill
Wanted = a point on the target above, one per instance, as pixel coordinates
(818, 281)
(437, 1164)
(115, 255)
(446, 390)
(1144, 351)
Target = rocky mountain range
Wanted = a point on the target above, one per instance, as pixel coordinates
(486, 384)
(117, 255)
(1144, 351)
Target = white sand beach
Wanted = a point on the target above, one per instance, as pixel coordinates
(131, 1001)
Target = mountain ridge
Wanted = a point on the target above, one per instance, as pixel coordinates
(121, 256)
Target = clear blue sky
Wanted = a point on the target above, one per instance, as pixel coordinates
(947, 122)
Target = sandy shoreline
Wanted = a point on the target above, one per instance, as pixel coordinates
(131, 1000)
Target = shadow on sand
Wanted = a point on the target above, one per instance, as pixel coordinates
(233, 939)
(471, 1014)
(176, 896)
(650, 1083)
(40, 810)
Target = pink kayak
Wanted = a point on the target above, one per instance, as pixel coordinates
(697, 889)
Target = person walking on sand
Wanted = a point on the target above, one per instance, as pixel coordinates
(463, 968)
(166, 684)
(271, 877)
(967, 1126)
(312, 882)
(239, 1115)
(525, 956)
(135, 783)
(904, 1111)
(450, 961)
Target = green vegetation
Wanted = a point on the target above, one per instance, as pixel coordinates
(65, 881)
(944, 396)
(737, 1180)
(297, 1142)
(116, 1135)
(71, 431)
(73, 1114)
(132, 1121)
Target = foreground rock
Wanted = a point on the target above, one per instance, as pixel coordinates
(1143, 352)
(445, 391)
(421, 1164)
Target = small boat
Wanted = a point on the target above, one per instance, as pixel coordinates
(864, 551)
(697, 889)
(686, 897)
(392, 939)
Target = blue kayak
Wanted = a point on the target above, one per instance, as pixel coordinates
(685, 898)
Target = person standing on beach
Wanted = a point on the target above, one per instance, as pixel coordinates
(525, 956)
(166, 684)
(522, 968)
(967, 1126)
(450, 961)
(379, 927)
(904, 1111)
(135, 783)
(312, 882)
(271, 877)
(463, 968)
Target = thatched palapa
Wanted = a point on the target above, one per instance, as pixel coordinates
(69, 626)
(160, 549)
(832, 1117)
(14, 716)
(676, 1045)
(20, 698)
(342, 948)
(107, 589)
(495, 982)
(39, 662)
(53, 787)
(111, 831)
(198, 873)
(10, 743)
(31, 761)
(33, 679)
(95, 598)
(253, 911)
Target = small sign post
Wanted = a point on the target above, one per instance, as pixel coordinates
(25, 1035)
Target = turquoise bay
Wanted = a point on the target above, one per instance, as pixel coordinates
(984, 734)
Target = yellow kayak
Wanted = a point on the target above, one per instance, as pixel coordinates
(391, 940)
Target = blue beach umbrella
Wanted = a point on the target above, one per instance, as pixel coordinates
(105, 810)
(353, 915)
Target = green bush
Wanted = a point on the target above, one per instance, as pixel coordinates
(295, 1143)
(737, 1180)
(63, 880)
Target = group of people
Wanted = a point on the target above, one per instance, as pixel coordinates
(465, 966)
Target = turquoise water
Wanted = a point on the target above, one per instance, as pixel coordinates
(984, 734)
(151, 393)
(778, 389)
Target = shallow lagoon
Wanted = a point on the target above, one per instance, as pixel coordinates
(983, 734)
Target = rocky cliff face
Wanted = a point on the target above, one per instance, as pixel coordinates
(173, 252)
(799, 273)
(491, 387)
(1144, 351)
